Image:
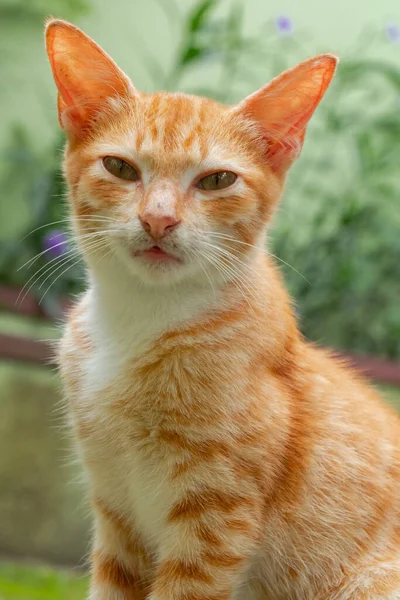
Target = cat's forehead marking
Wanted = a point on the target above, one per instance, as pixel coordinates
(174, 123)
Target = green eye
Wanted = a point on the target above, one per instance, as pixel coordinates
(120, 168)
(217, 181)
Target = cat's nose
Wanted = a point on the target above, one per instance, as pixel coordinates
(158, 226)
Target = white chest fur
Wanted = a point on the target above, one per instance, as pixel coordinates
(123, 476)
(120, 471)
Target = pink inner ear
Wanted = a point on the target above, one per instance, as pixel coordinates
(68, 116)
(284, 107)
(84, 74)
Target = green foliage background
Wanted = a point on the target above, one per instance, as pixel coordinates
(41, 8)
(339, 223)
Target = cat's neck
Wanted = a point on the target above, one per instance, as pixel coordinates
(124, 311)
(125, 300)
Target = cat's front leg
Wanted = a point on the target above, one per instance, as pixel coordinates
(112, 579)
(208, 542)
(121, 566)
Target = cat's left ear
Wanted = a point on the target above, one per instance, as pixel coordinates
(88, 80)
(283, 108)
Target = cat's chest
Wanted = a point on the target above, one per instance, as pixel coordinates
(125, 466)
(117, 426)
(129, 395)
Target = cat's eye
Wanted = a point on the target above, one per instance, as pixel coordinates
(120, 168)
(217, 181)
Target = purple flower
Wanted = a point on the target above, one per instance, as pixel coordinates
(284, 25)
(393, 33)
(55, 242)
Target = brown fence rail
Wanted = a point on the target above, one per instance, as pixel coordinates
(26, 350)
(13, 300)
(384, 371)
(38, 352)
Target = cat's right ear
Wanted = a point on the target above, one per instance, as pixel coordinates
(283, 108)
(86, 77)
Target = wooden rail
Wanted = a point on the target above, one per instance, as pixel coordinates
(38, 352)
(23, 349)
(19, 348)
(13, 300)
(385, 371)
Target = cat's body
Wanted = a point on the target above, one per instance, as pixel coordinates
(227, 459)
(294, 449)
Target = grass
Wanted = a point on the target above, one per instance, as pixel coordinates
(20, 582)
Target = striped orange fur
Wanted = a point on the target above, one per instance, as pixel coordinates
(227, 458)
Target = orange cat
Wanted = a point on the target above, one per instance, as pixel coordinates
(227, 459)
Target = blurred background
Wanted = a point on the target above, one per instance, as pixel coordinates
(337, 234)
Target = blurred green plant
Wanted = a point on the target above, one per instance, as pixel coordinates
(41, 8)
(339, 223)
(38, 255)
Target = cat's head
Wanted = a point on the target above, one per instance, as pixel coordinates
(174, 186)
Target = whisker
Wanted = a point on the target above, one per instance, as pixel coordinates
(57, 258)
(247, 285)
(37, 256)
(232, 256)
(205, 271)
(68, 220)
(229, 238)
(70, 267)
(290, 266)
(55, 268)
(97, 245)
(233, 278)
(48, 267)
(85, 235)
(228, 255)
(56, 279)
(220, 262)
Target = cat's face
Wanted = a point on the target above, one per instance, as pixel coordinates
(181, 182)
(169, 185)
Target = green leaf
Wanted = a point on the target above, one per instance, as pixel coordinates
(190, 54)
(352, 70)
(199, 15)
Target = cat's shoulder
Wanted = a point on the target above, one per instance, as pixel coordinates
(347, 387)
(75, 341)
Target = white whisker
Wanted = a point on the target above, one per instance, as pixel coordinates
(205, 272)
(61, 261)
(232, 256)
(68, 220)
(221, 263)
(56, 279)
(46, 266)
(267, 252)
(85, 235)
(95, 245)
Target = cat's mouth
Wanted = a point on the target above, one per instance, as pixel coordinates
(157, 254)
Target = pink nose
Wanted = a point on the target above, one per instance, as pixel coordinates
(158, 226)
